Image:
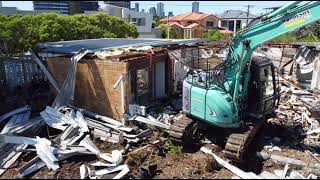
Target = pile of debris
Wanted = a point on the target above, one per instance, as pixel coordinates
(74, 126)
(301, 108)
(297, 151)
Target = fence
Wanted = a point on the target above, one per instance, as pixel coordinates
(19, 71)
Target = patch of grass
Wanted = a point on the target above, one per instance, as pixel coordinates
(172, 148)
(156, 158)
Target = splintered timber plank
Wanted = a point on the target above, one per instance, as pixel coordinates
(289, 83)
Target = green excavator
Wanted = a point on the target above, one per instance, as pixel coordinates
(238, 94)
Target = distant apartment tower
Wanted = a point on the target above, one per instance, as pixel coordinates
(124, 4)
(65, 7)
(195, 7)
(77, 7)
(160, 9)
(52, 6)
(136, 7)
(153, 11)
(88, 5)
(170, 13)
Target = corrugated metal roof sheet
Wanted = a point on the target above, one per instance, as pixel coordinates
(93, 45)
(236, 14)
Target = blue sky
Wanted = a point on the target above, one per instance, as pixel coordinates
(210, 7)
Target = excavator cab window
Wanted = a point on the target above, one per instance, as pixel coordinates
(266, 79)
(262, 93)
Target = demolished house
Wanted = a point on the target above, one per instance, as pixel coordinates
(102, 84)
(121, 72)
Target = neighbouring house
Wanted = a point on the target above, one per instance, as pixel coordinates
(191, 25)
(235, 20)
(143, 21)
(147, 74)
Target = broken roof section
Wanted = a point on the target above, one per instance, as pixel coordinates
(94, 45)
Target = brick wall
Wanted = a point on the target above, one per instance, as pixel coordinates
(95, 80)
(94, 84)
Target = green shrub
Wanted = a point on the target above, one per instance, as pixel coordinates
(215, 35)
(172, 148)
(172, 31)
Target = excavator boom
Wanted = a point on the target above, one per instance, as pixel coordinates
(222, 104)
(239, 93)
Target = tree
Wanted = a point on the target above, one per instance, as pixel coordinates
(157, 20)
(172, 31)
(21, 32)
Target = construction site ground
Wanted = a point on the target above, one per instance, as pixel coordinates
(168, 161)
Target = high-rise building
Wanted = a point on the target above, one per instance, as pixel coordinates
(125, 4)
(195, 7)
(160, 9)
(52, 6)
(77, 7)
(170, 13)
(88, 5)
(153, 11)
(136, 7)
(65, 7)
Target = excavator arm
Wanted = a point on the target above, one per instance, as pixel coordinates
(222, 99)
(288, 18)
(240, 92)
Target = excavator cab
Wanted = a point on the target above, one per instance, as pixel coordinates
(263, 92)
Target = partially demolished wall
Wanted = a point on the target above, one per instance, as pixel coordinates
(96, 80)
(94, 83)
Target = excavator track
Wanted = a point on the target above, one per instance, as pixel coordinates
(181, 131)
(238, 143)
